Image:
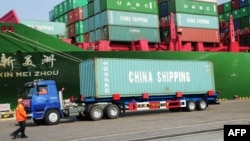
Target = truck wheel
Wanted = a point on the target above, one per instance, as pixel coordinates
(39, 121)
(201, 105)
(112, 111)
(52, 117)
(96, 113)
(191, 106)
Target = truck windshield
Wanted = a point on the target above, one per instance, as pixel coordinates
(27, 92)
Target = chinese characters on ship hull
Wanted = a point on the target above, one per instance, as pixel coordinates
(7, 62)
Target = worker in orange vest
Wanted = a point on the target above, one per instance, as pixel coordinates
(21, 117)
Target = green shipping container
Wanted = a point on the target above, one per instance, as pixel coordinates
(245, 22)
(72, 4)
(193, 7)
(90, 9)
(143, 6)
(227, 16)
(236, 14)
(197, 21)
(79, 28)
(221, 17)
(80, 38)
(56, 11)
(227, 6)
(51, 28)
(244, 11)
(125, 33)
(66, 18)
(123, 18)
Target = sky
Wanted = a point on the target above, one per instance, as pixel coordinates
(35, 9)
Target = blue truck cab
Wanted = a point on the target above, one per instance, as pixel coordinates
(43, 107)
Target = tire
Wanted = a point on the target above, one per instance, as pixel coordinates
(96, 113)
(191, 106)
(39, 121)
(201, 105)
(52, 117)
(112, 111)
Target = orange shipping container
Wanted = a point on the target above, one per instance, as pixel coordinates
(199, 34)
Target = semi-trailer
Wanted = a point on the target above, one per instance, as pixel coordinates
(113, 86)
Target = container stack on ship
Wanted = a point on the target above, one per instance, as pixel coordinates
(198, 17)
(240, 11)
(95, 20)
(143, 29)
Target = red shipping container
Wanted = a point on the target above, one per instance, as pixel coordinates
(220, 9)
(78, 14)
(71, 30)
(199, 35)
(86, 37)
(71, 17)
(235, 4)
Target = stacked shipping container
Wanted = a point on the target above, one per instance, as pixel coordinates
(125, 20)
(240, 11)
(71, 13)
(198, 17)
(114, 20)
(56, 29)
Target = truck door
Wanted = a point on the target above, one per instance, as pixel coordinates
(40, 100)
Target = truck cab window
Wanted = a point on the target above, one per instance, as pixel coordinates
(42, 90)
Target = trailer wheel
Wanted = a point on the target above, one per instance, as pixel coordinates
(191, 106)
(96, 113)
(201, 105)
(39, 121)
(52, 117)
(112, 111)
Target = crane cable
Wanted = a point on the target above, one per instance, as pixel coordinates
(62, 54)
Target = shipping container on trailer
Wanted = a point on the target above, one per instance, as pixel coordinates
(102, 77)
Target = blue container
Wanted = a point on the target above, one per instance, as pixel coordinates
(85, 11)
(97, 6)
(103, 77)
(97, 21)
(244, 3)
(91, 25)
(237, 24)
(163, 9)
